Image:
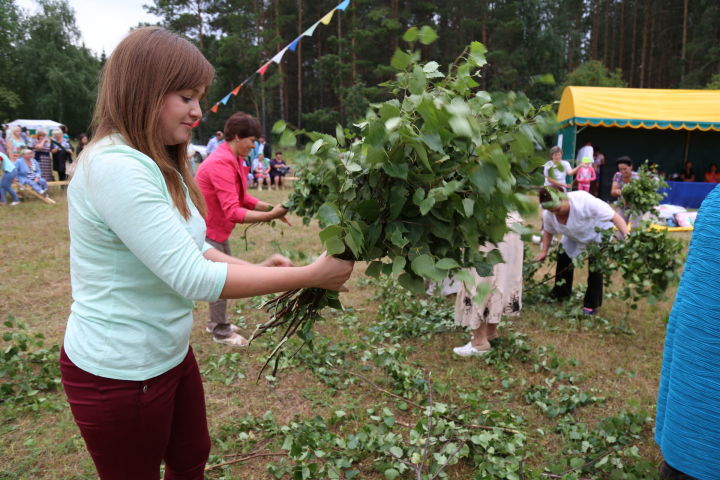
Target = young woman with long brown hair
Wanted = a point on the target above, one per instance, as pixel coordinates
(138, 260)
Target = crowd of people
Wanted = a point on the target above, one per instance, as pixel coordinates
(30, 158)
(264, 169)
(579, 215)
(687, 174)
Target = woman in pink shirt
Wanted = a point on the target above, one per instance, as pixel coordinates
(222, 179)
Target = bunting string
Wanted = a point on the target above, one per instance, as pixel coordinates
(277, 58)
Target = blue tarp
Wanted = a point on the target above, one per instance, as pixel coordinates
(687, 194)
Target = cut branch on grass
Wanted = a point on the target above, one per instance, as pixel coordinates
(450, 458)
(245, 458)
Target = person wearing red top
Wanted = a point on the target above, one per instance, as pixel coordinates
(222, 179)
(712, 175)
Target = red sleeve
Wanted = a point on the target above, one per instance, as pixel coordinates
(250, 202)
(224, 181)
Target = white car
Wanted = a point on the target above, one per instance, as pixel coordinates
(197, 152)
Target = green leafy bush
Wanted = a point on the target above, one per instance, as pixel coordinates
(28, 369)
(642, 195)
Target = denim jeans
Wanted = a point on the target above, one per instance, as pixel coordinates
(38, 186)
(6, 187)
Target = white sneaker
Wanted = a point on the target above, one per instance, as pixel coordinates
(233, 328)
(14, 203)
(468, 350)
(233, 340)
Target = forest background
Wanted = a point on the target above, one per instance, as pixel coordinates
(535, 46)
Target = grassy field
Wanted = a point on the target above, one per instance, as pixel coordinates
(552, 377)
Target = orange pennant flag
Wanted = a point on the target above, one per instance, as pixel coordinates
(214, 108)
(237, 89)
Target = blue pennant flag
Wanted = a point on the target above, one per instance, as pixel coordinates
(225, 100)
(343, 5)
(293, 46)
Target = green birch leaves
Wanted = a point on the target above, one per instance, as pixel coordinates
(437, 170)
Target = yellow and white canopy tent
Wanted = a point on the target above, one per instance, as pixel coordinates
(667, 127)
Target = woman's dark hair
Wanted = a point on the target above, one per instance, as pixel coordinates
(241, 125)
(544, 194)
(624, 160)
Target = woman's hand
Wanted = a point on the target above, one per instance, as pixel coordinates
(540, 256)
(279, 212)
(331, 273)
(277, 260)
(621, 225)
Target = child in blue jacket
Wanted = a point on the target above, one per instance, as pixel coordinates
(8, 175)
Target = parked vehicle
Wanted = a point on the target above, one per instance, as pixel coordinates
(196, 155)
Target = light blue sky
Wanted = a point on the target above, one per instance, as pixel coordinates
(103, 23)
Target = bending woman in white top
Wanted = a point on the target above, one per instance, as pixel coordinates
(138, 260)
(575, 216)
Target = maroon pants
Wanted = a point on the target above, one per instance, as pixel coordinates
(130, 427)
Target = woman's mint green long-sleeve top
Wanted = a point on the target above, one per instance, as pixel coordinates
(136, 265)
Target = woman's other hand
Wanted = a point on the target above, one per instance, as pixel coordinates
(277, 260)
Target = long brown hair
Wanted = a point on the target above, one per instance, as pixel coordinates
(148, 64)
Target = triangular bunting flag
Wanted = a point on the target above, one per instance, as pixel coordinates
(326, 19)
(310, 30)
(278, 56)
(293, 46)
(262, 69)
(197, 122)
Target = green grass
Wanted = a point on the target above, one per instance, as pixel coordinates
(617, 357)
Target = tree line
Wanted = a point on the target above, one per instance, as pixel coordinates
(535, 46)
(45, 71)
